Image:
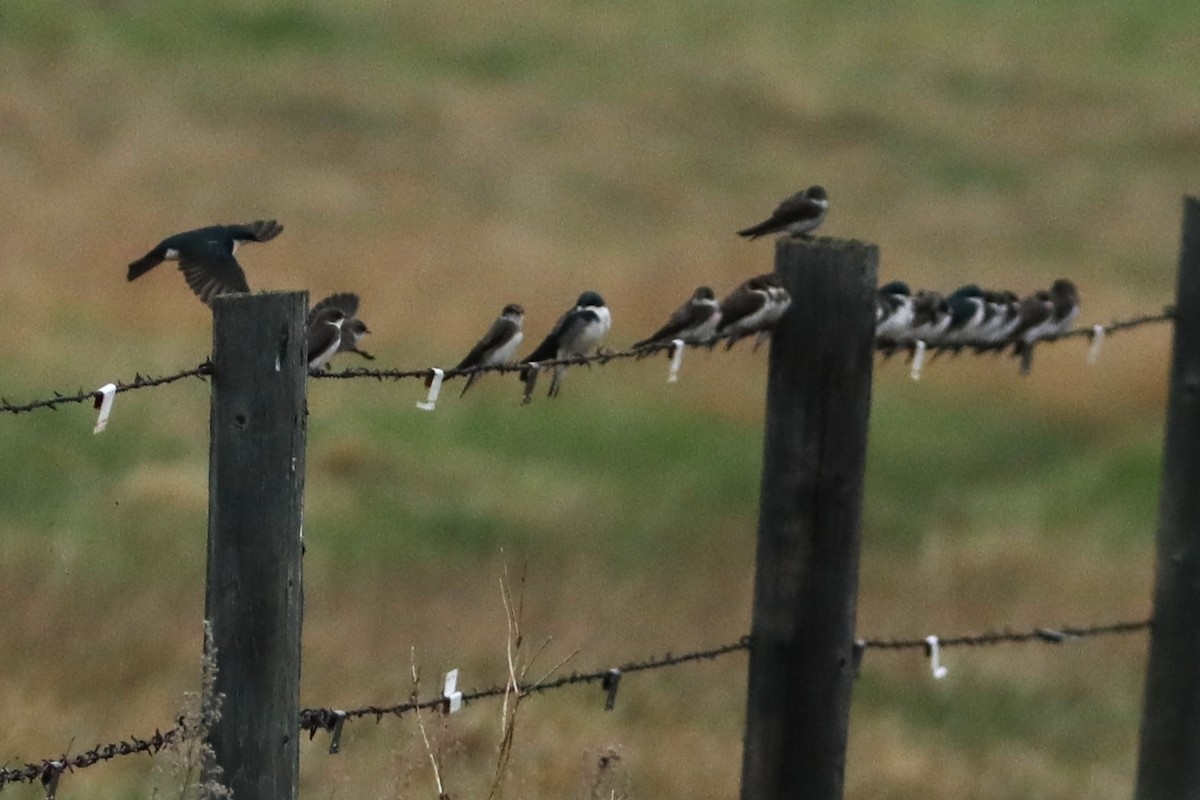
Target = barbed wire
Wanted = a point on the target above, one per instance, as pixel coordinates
(602, 357)
(331, 719)
(139, 382)
(48, 770)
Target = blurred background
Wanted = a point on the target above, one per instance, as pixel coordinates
(444, 159)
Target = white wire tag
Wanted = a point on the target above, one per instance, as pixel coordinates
(104, 402)
(451, 693)
(933, 647)
(1097, 343)
(918, 361)
(435, 388)
(676, 360)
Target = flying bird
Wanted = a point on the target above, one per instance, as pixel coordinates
(576, 333)
(498, 345)
(324, 336)
(353, 329)
(798, 215)
(694, 322)
(753, 307)
(205, 256)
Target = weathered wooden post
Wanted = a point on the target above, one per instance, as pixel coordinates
(1169, 756)
(806, 575)
(255, 510)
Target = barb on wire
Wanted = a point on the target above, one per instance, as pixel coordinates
(139, 382)
(1116, 326)
(1044, 635)
(48, 770)
(314, 719)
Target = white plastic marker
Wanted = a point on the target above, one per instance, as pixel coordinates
(918, 361)
(1097, 343)
(104, 401)
(676, 360)
(933, 647)
(451, 693)
(435, 388)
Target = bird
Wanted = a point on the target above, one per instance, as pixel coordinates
(575, 334)
(324, 336)
(798, 215)
(353, 329)
(968, 310)
(205, 256)
(498, 345)
(1000, 321)
(753, 307)
(893, 313)
(693, 322)
(931, 317)
(1044, 314)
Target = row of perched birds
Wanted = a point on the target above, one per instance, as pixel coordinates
(973, 317)
(206, 257)
(967, 317)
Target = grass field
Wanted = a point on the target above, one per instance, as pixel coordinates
(444, 161)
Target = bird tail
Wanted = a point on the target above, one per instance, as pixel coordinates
(470, 379)
(755, 231)
(144, 264)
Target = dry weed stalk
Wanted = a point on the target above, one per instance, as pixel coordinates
(434, 757)
(516, 688)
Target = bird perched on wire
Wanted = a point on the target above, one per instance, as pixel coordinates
(754, 307)
(205, 256)
(1044, 314)
(353, 329)
(694, 322)
(893, 314)
(324, 335)
(931, 318)
(576, 333)
(498, 345)
(798, 215)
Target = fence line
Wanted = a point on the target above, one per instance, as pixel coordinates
(329, 718)
(603, 357)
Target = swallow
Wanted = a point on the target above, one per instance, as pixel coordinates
(1044, 314)
(893, 314)
(353, 329)
(798, 215)
(1000, 322)
(931, 317)
(576, 333)
(693, 322)
(324, 336)
(753, 307)
(968, 310)
(498, 345)
(205, 256)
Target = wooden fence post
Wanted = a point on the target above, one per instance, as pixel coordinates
(806, 575)
(1169, 755)
(255, 510)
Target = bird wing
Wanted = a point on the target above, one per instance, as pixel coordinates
(261, 230)
(346, 301)
(686, 316)
(740, 304)
(500, 331)
(320, 338)
(211, 272)
(549, 346)
(793, 209)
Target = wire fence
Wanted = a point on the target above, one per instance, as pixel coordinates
(426, 374)
(331, 719)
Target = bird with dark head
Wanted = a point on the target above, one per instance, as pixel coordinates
(1044, 314)
(206, 256)
(798, 215)
(694, 322)
(893, 314)
(324, 336)
(577, 333)
(754, 307)
(498, 345)
(353, 329)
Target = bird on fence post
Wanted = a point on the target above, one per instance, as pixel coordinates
(205, 256)
(498, 345)
(324, 336)
(753, 307)
(798, 215)
(694, 322)
(575, 334)
(353, 329)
